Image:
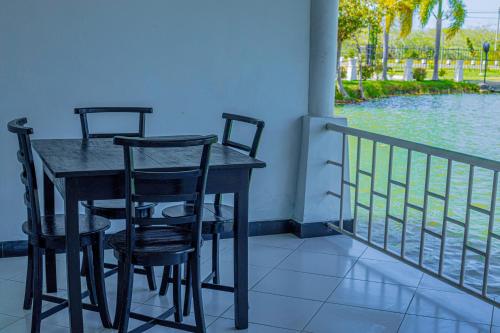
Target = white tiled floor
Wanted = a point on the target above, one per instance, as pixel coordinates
(329, 284)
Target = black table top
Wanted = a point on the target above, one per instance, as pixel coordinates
(97, 157)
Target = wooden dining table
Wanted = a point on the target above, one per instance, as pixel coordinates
(93, 169)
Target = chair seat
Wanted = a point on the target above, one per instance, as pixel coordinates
(53, 226)
(155, 241)
(115, 209)
(216, 219)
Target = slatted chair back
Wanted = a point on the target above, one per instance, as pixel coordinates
(165, 186)
(140, 111)
(28, 175)
(228, 141)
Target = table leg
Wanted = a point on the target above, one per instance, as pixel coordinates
(50, 255)
(73, 257)
(241, 254)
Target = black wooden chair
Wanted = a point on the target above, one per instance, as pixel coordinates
(115, 209)
(217, 217)
(47, 233)
(161, 241)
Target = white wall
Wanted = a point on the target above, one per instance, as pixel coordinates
(189, 59)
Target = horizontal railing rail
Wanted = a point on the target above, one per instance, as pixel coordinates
(476, 243)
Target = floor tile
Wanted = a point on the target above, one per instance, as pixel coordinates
(418, 324)
(448, 305)
(223, 325)
(347, 319)
(496, 316)
(12, 297)
(286, 241)
(278, 311)
(156, 311)
(318, 263)
(7, 320)
(387, 272)
(215, 303)
(339, 245)
(24, 326)
(373, 254)
(261, 255)
(12, 267)
(298, 284)
(226, 269)
(429, 282)
(495, 329)
(374, 295)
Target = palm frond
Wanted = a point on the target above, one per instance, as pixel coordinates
(457, 15)
(426, 9)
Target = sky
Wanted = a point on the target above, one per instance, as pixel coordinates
(481, 13)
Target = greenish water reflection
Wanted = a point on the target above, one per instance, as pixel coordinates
(464, 123)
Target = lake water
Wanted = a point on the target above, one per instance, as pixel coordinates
(464, 123)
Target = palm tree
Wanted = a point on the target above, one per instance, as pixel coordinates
(455, 14)
(393, 9)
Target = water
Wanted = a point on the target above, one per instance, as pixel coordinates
(464, 123)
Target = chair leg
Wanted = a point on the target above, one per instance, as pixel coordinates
(194, 262)
(119, 296)
(100, 286)
(215, 257)
(51, 270)
(28, 289)
(164, 280)
(36, 315)
(177, 293)
(85, 259)
(128, 281)
(187, 293)
(150, 274)
(89, 276)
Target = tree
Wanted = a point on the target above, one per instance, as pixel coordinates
(392, 10)
(455, 14)
(354, 15)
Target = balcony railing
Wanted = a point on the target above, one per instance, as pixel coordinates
(431, 208)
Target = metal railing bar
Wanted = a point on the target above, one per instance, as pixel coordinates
(395, 182)
(480, 210)
(388, 203)
(490, 232)
(342, 181)
(413, 206)
(424, 214)
(395, 218)
(495, 236)
(356, 194)
(476, 251)
(366, 173)
(372, 185)
(405, 206)
(349, 183)
(454, 221)
(360, 204)
(418, 147)
(334, 163)
(467, 222)
(336, 195)
(445, 215)
(380, 195)
(436, 195)
(433, 233)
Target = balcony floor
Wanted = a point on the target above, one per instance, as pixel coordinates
(329, 284)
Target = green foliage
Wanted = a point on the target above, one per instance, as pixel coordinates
(470, 47)
(354, 15)
(381, 89)
(442, 72)
(419, 74)
(343, 72)
(367, 72)
(455, 14)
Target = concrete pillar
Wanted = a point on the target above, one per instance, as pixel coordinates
(315, 176)
(352, 69)
(459, 71)
(322, 57)
(408, 73)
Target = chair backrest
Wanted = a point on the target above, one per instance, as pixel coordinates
(140, 111)
(165, 186)
(28, 175)
(227, 141)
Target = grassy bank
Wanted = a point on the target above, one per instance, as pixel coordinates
(381, 89)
